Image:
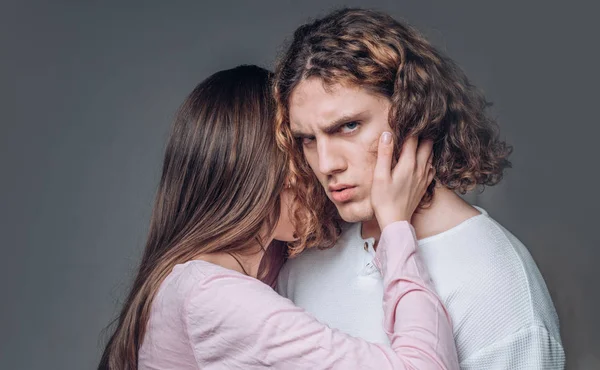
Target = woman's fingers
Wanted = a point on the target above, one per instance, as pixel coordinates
(430, 176)
(385, 151)
(424, 152)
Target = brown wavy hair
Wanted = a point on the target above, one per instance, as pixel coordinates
(430, 97)
(221, 182)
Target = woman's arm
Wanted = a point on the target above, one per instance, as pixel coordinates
(236, 322)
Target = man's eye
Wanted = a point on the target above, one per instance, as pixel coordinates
(349, 127)
(307, 140)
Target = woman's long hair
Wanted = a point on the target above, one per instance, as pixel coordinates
(221, 180)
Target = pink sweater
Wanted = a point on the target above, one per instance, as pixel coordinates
(208, 317)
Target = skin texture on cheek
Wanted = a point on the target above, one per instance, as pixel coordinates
(360, 155)
(349, 156)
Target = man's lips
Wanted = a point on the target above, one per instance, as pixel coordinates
(339, 186)
(342, 192)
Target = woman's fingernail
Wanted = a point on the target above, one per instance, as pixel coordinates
(386, 137)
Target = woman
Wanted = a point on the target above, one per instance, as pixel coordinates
(216, 237)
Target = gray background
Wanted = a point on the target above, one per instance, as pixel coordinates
(88, 90)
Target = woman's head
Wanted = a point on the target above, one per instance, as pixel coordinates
(222, 173)
(220, 191)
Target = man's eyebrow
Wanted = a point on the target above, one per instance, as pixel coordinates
(333, 126)
(299, 134)
(347, 118)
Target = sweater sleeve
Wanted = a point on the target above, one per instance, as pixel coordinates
(531, 347)
(236, 322)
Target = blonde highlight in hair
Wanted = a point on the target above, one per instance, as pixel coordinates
(430, 98)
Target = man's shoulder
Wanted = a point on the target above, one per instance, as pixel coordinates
(481, 241)
(481, 254)
(488, 281)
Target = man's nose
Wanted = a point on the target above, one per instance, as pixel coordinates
(331, 159)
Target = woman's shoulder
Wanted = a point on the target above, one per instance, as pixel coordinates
(234, 302)
(197, 276)
(199, 281)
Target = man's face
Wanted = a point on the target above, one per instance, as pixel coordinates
(339, 130)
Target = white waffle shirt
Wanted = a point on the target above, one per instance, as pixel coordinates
(501, 309)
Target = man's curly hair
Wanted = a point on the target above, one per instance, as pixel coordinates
(430, 97)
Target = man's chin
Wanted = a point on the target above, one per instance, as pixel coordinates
(350, 212)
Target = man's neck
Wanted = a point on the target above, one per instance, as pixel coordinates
(445, 211)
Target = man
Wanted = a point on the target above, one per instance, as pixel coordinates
(344, 80)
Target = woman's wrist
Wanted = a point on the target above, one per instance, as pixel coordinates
(384, 221)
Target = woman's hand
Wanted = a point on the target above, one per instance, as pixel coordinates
(396, 193)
